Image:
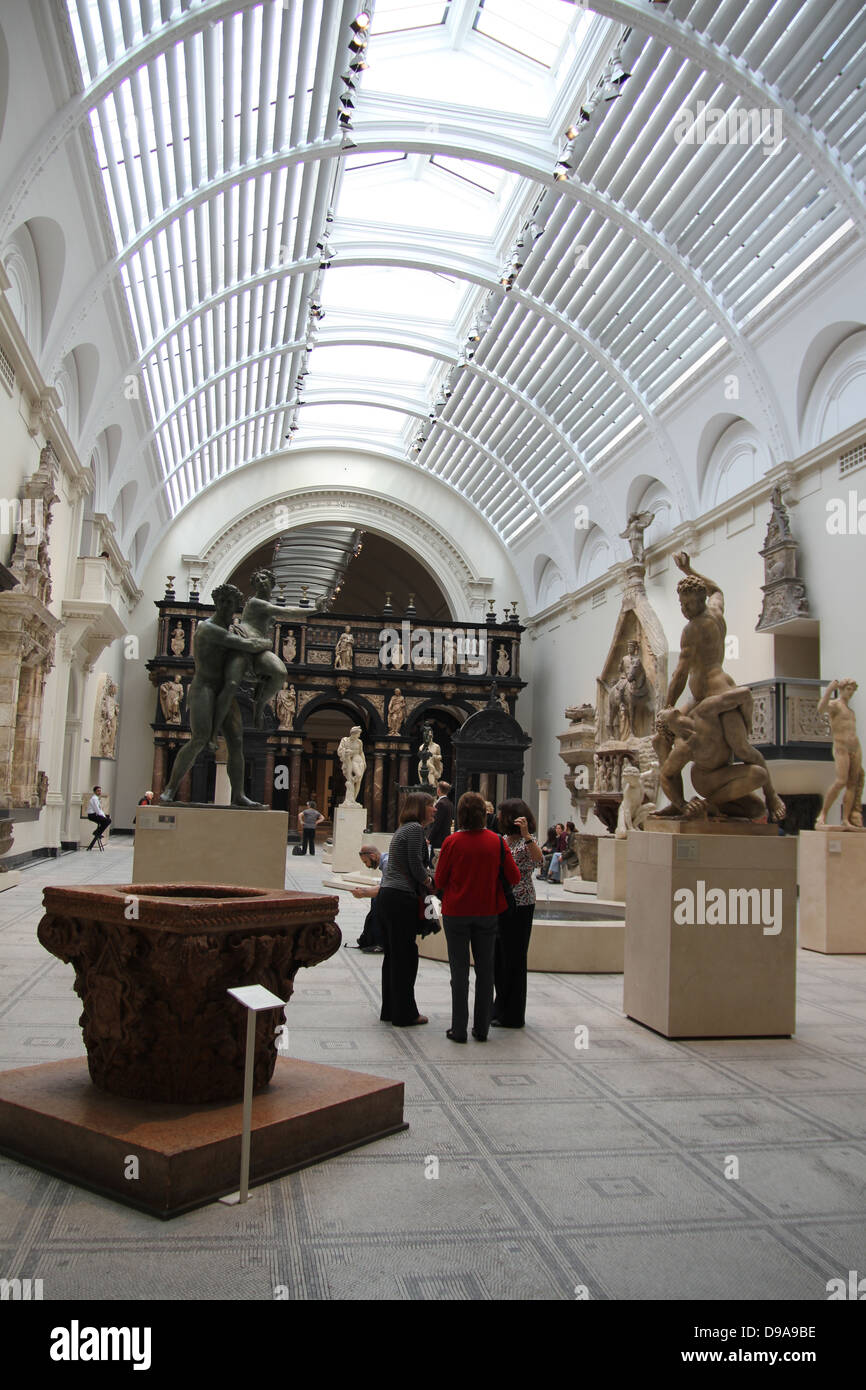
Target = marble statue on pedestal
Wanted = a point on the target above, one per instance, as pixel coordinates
(847, 755)
(350, 751)
(215, 645)
(430, 761)
(785, 597)
(503, 664)
(712, 730)
(290, 648)
(178, 641)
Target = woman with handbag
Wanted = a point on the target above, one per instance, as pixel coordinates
(473, 876)
(406, 884)
(517, 824)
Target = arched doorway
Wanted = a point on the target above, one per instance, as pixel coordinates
(322, 779)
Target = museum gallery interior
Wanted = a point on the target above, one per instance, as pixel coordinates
(463, 392)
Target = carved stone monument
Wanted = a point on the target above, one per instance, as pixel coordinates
(785, 599)
(166, 1047)
(155, 1019)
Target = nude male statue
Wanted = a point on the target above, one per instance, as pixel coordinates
(257, 620)
(212, 645)
(847, 754)
(702, 653)
(697, 736)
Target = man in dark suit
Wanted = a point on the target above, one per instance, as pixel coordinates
(440, 826)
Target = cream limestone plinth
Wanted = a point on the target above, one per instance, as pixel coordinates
(561, 948)
(612, 860)
(205, 844)
(696, 979)
(832, 874)
(349, 824)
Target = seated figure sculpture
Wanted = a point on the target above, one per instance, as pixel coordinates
(712, 730)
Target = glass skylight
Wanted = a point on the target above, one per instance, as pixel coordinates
(535, 28)
(400, 16)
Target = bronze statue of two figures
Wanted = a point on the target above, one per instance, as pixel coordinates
(226, 653)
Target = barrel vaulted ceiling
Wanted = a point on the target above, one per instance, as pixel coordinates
(477, 237)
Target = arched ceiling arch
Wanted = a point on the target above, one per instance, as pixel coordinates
(228, 168)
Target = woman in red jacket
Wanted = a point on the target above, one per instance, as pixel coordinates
(468, 880)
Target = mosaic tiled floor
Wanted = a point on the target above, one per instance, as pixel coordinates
(530, 1168)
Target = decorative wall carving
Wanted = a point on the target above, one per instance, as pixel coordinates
(28, 631)
(804, 722)
(764, 716)
(319, 658)
(105, 717)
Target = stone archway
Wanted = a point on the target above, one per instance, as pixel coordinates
(465, 590)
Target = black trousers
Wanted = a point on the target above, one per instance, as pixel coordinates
(512, 948)
(480, 934)
(398, 916)
(309, 839)
(102, 823)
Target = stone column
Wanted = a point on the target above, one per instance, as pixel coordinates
(294, 786)
(403, 778)
(543, 785)
(393, 776)
(378, 788)
(268, 796)
(157, 779)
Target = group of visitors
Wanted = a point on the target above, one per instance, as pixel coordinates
(555, 846)
(484, 880)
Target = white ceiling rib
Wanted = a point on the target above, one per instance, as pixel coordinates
(221, 155)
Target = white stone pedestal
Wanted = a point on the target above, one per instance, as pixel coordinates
(210, 844)
(349, 825)
(832, 875)
(612, 860)
(698, 979)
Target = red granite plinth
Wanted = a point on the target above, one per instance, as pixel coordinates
(188, 1155)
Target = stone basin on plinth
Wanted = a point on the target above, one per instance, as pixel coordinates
(152, 965)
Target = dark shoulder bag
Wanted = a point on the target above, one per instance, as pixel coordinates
(510, 904)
